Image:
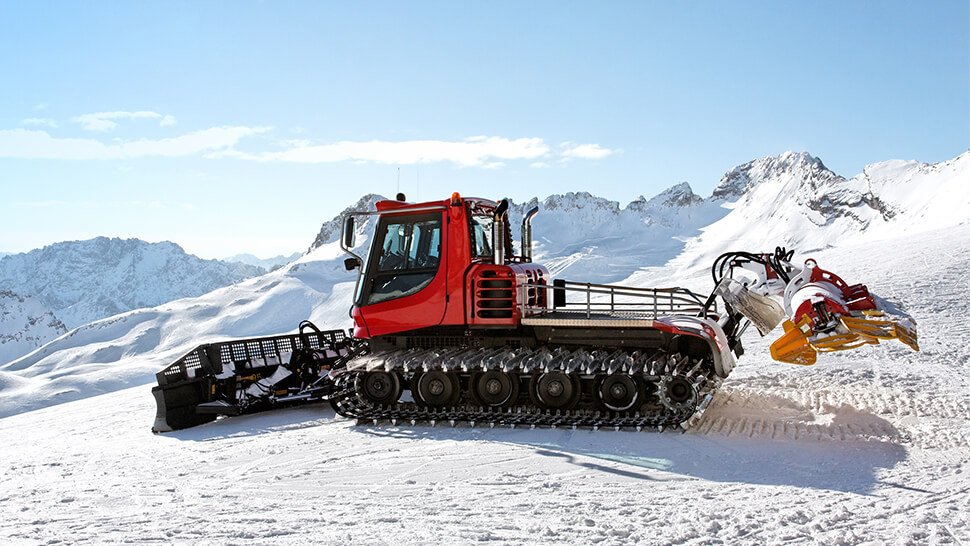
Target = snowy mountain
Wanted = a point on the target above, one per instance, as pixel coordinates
(268, 264)
(25, 324)
(792, 200)
(581, 236)
(83, 281)
(649, 242)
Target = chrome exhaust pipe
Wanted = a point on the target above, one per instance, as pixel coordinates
(527, 234)
(498, 232)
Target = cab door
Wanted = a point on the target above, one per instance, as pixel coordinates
(405, 287)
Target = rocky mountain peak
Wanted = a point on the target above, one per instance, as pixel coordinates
(678, 195)
(25, 323)
(580, 200)
(330, 230)
(792, 165)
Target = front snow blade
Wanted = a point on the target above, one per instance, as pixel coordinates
(250, 375)
(175, 406)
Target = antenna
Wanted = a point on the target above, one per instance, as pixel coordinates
(399, 180)
(417, 190)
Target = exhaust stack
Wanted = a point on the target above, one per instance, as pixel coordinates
(527, 234)
(498, 232)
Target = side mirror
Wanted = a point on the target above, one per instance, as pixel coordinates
(349, 234)
(351, 264)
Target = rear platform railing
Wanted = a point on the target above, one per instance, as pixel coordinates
(590, 299)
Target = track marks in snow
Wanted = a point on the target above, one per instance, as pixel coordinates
(844, 413)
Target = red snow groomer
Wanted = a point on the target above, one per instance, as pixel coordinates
(450, 325)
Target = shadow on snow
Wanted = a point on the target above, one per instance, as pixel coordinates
(850, 465)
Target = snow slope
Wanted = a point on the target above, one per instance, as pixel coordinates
(866, 447)
(129, 348)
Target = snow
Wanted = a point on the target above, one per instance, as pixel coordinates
(868, 446)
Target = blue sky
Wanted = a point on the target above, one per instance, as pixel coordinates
(241, 126)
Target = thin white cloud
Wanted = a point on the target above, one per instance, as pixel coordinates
(104, 121)
(479, 151)
(571, 150)
(34, 144)
(45, 122)
(486, 152)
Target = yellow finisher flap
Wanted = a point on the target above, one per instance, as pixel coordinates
(881, 329)
(793, 347)
(842, 342)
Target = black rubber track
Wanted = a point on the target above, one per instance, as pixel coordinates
(662, 380)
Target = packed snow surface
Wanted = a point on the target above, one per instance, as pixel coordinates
(868, 446)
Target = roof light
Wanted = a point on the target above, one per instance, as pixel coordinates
(455, 199)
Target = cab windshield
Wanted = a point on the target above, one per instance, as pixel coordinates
(408, 256)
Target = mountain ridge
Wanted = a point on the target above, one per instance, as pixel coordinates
(267, 264)
(82, 281)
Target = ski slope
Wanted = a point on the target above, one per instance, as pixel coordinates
(869, 446)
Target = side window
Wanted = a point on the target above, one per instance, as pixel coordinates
(481, 228)
(408, 258)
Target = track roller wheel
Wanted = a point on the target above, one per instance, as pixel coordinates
(677, 393)
(619, 392)
(437, 388)
(555, 390)
(379, 387)
(495, 389)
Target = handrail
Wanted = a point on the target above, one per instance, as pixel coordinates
(655, 302)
